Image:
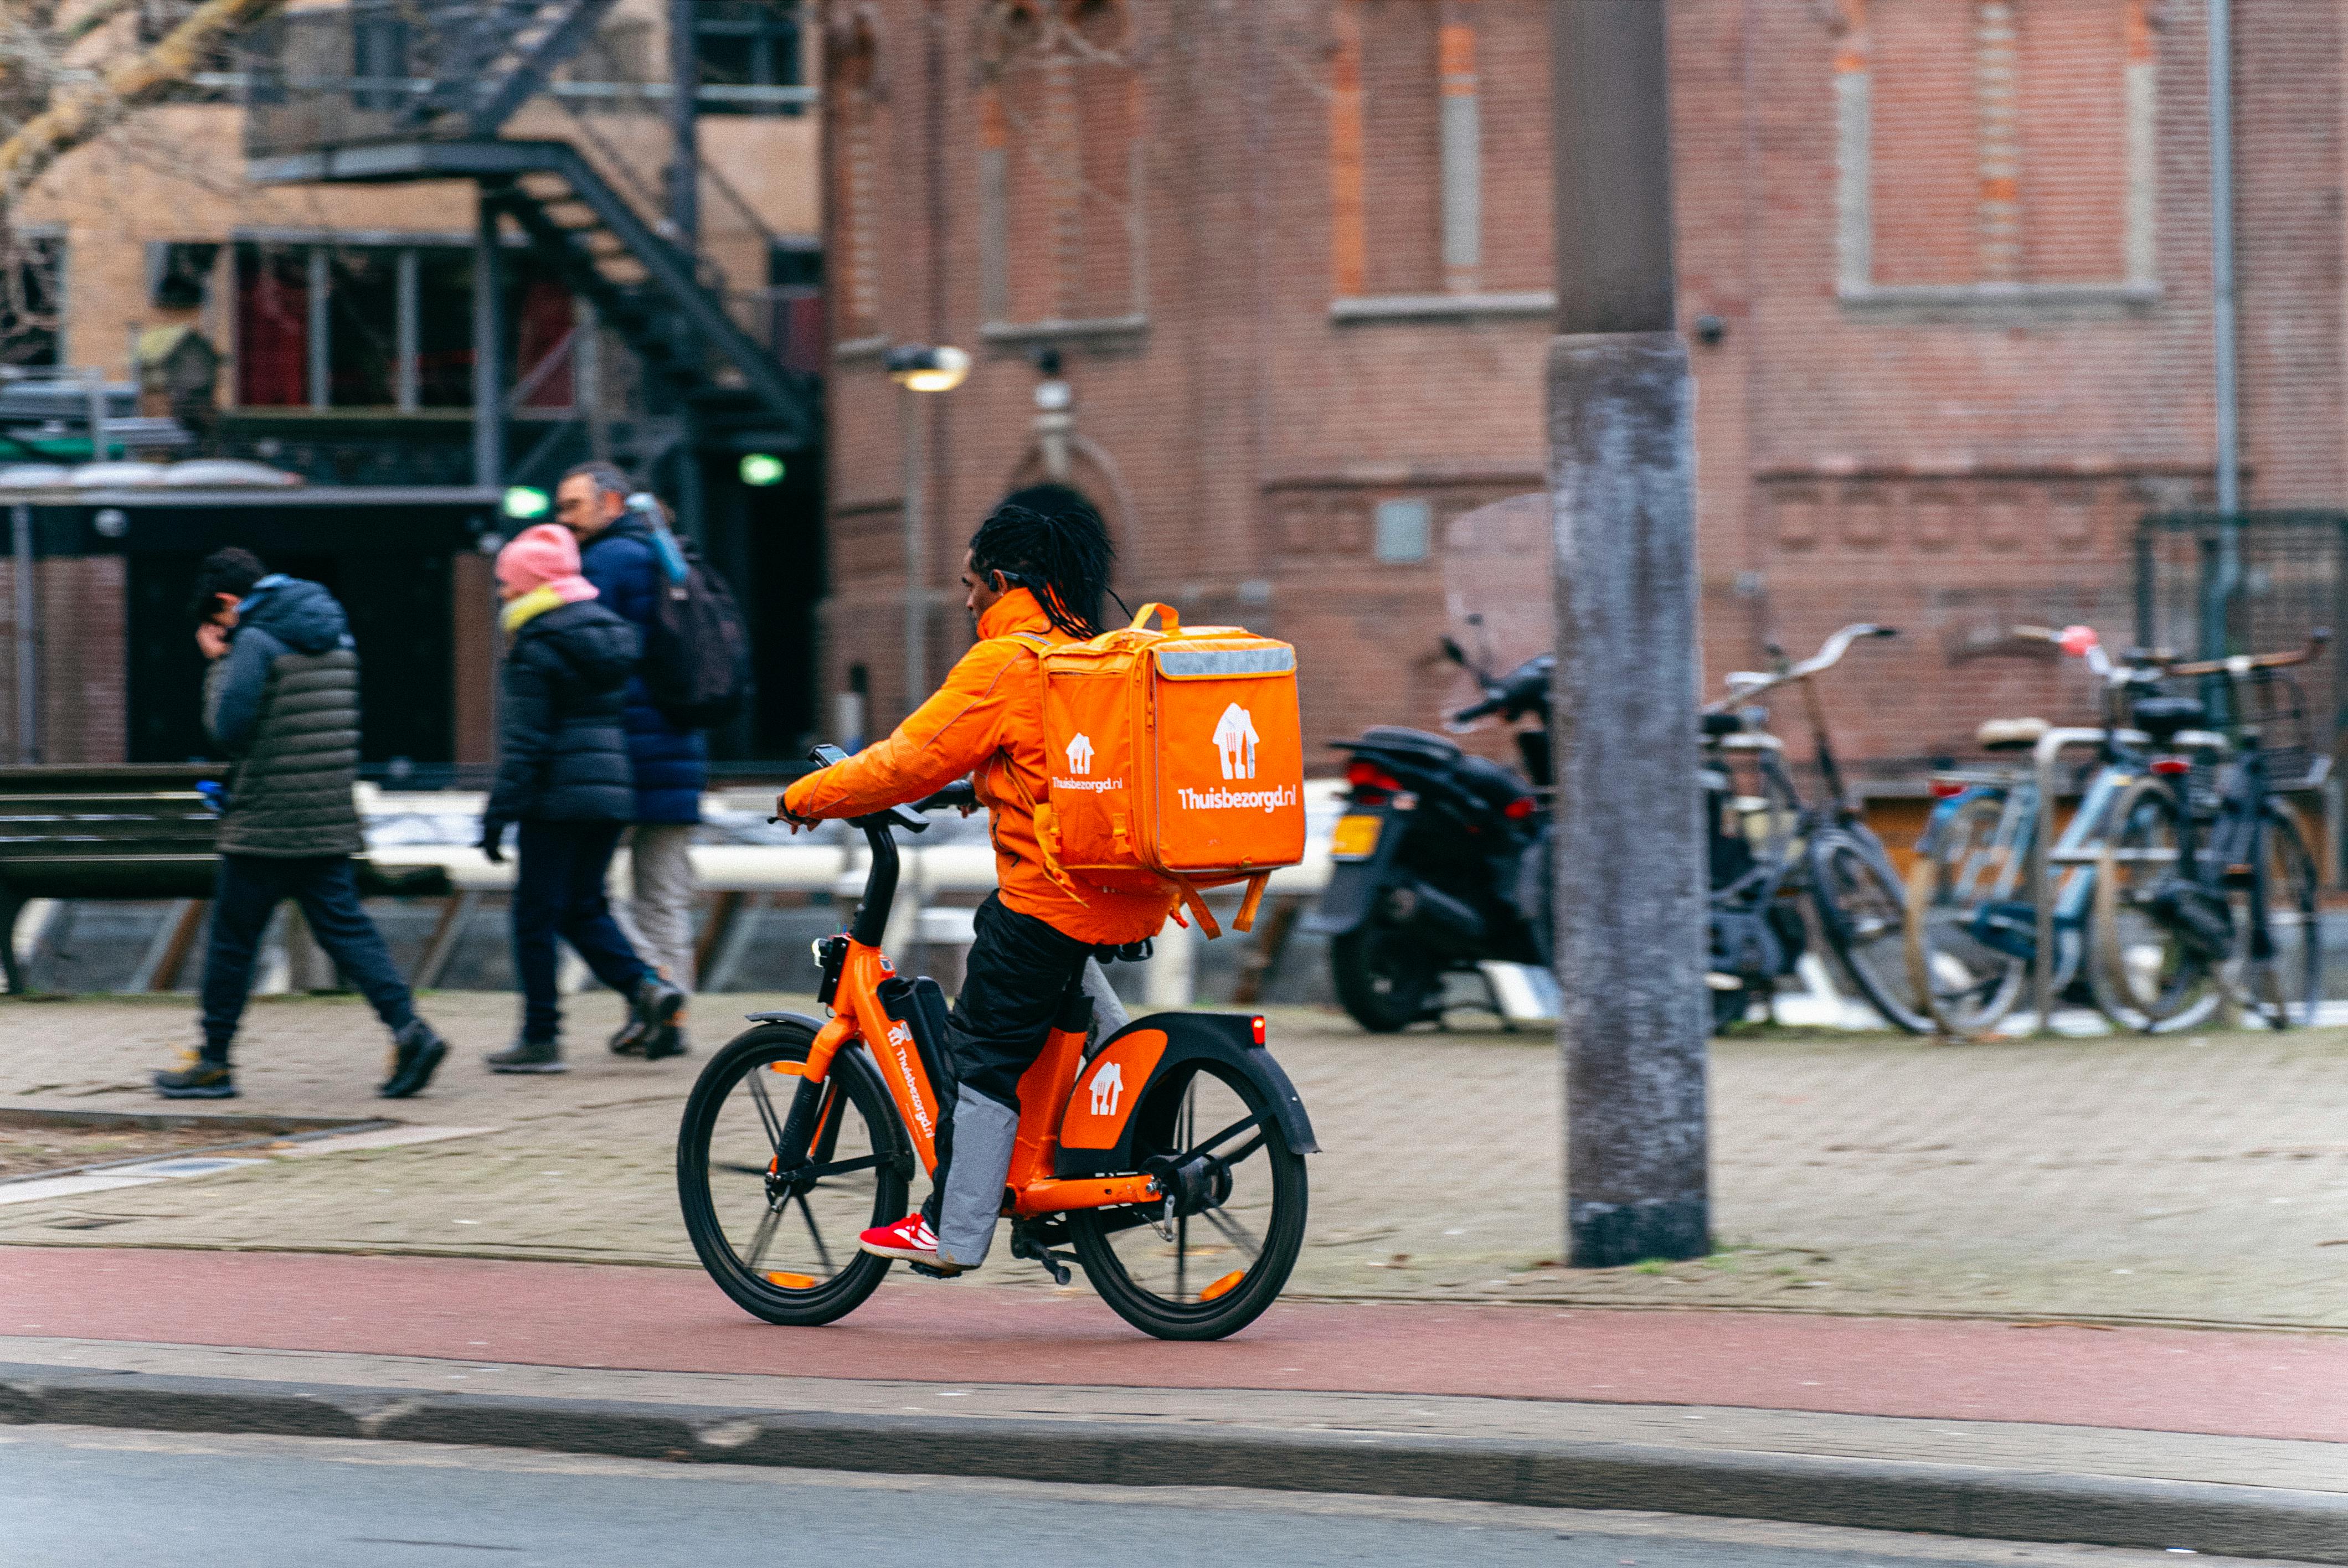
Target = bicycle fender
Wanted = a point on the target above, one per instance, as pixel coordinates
(1097, 1131)
(815, 1025)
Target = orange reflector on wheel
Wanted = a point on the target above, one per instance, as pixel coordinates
(1223, 1285)
(789, 1068)
(793, 1281)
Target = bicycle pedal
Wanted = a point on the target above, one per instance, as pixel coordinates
(931, 1271)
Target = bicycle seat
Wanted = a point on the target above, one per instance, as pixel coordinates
(2163, 717)
(2012, 735)
(1122, 952)
(1722, 724)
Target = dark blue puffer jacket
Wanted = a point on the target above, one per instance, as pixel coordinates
(672, 764)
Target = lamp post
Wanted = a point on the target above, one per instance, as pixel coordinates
(920, 369)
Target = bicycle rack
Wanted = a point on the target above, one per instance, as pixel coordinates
(2043, 758)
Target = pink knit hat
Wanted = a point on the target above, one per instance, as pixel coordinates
(546, 555)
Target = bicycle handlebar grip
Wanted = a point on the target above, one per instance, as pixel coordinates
(954, 797)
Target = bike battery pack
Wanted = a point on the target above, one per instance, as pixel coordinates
(921, 1005)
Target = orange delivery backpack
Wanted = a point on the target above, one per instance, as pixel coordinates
(1174, 756)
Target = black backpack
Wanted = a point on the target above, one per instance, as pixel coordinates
(697, 662)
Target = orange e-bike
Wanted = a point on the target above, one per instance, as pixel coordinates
(1166, 1159)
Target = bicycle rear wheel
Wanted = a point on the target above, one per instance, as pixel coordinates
(786, 1250)
(2284, 985)
(2143, 969)
(1207, 1130)
(1863, 910)
(1965, 863)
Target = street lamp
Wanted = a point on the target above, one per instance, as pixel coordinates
(919, 368)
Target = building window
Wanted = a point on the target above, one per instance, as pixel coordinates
(32, 298)
(1059, 149)
(390, 327)
(747, 44)
(795, 304)
(1407, 154)
(854, 140)
(1995, 149)
(1402, 529)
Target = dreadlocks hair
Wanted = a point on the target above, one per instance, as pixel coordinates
(1063, 558)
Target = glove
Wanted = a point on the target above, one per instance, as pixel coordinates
(493, 834)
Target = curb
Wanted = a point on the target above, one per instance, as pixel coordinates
(2214, 1520)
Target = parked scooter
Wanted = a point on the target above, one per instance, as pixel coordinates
(1441, 860)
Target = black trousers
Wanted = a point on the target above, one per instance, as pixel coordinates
(1019, 968)
(559, 893)
(249, 889)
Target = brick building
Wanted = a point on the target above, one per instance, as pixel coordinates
(1945, 265)
(344, 316)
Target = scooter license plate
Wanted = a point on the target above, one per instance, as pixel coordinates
(1356, 837)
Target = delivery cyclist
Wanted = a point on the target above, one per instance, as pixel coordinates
(1033, 581)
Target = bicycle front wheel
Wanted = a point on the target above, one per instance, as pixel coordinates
(786, 1249)
(1967, 863)
(1211, 1266)
(2282, 975)
(1863, 910)
(2146, 967)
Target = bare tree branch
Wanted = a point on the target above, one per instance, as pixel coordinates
(79, 115)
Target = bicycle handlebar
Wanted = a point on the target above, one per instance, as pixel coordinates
(2241, 664)
(1746, 686)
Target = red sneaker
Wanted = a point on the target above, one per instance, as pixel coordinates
(910, 1238)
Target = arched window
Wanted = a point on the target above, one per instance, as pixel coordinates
(854, 147)
(1059, 182)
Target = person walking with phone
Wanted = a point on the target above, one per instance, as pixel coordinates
(564, 783)
(620, 552)
(282, 699)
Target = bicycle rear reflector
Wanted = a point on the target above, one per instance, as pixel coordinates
(2169, 767)
(1948, 789)
(1256, 1025)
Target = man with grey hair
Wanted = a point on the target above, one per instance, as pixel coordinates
(617, 554)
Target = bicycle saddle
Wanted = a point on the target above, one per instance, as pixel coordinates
(1722, 724)
(2012, 735)
(2163, 717)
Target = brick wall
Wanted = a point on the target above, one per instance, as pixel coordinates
(83, 690)
(1960, 252)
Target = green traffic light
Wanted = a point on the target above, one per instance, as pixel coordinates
(527, 502)
(762, 468)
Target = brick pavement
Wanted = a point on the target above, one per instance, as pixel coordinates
(2196, 1181)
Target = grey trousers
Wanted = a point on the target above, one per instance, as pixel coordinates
(658, 911)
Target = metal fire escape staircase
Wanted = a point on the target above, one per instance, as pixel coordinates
(327, 111)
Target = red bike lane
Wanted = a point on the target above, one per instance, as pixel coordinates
(568, 1315)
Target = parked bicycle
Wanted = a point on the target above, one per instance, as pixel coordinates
(1973, 921)
(1770, 849)
(1169, 1156)
(2207, 884)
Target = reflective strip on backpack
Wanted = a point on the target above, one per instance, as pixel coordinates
(1180, 662)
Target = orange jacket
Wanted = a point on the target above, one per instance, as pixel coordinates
(988, 721)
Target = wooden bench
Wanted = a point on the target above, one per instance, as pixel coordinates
(136, 830)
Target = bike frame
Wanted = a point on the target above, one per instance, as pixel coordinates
(860, 1017)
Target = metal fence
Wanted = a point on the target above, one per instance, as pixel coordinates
(2293, 579)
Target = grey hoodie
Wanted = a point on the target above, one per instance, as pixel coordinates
(283, 701)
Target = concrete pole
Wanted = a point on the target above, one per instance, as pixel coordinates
(685, 123)
(1631, 903)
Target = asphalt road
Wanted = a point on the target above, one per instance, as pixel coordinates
(76, 1496)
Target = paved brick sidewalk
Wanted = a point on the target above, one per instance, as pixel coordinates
(2202, 1180)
